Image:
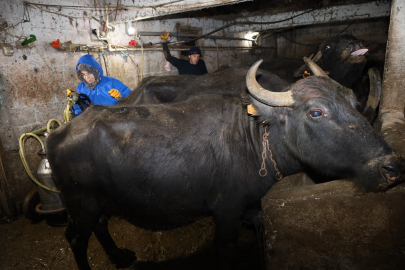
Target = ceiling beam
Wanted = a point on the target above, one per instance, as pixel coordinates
(332, 14)
(137, 13)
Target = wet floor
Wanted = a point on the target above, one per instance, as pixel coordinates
(28, 245)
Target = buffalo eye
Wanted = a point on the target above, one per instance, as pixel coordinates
(327, 48)
(350, 47)
(316, 113)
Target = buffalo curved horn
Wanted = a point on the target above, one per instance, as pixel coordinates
(317, 56)
(315, 68)
(279, 99)
(374, 95)
(346, 92)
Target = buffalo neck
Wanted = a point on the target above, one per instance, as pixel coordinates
(286, 163)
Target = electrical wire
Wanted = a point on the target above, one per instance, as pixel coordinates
(236, 23)
(247, 23)
(314, 45)
(346, 28)
(11, 35)
(295, 42)
(42, 57)
(105, 64)
(64, 6)
(60, 14)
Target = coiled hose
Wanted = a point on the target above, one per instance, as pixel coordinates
(35, 134)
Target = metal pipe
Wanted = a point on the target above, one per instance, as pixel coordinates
(191, 36)
(206, 48)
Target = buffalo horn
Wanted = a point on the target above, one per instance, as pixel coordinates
(317, 57)
(315, 68)
(279, 99)
(346, 92)
(374, 95)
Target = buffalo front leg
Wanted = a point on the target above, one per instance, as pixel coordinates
(122, 258)
(226, 238)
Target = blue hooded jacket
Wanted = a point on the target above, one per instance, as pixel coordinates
(100, 95)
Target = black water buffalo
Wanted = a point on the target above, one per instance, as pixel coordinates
(165, 90)
(163, 166)
(344, 59)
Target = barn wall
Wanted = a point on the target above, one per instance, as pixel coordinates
(33, 81)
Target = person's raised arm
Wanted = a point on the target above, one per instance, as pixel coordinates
(168, 56)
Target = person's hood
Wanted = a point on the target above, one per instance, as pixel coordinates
(90, 60)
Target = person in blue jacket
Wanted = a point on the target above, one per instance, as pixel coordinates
(102, 90)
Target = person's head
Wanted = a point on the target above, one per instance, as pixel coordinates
(194, 55)
(89, 71)
(87, 76)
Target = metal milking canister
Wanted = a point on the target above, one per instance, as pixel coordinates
(51, 202)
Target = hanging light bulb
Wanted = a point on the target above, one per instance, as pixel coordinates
(130, 30)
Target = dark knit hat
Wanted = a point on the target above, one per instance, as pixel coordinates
(194, 50)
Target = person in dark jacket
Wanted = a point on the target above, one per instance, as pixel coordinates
(194, 66)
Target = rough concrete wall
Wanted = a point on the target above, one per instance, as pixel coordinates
(333, 226)
(33, 81)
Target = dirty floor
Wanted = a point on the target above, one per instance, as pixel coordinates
(41, 245)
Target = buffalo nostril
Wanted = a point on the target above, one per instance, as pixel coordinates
(389, 172)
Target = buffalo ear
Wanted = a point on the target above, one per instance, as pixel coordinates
(256, 108)
(265, 112)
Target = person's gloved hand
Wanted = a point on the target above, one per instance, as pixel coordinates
(68, 92)
(164, 36)
(115, 93)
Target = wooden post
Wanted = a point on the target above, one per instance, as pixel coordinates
(392, 104)
(4, 190)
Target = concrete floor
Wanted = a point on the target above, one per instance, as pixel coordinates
(37, 245)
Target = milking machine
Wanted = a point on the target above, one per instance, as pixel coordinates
(45, 199)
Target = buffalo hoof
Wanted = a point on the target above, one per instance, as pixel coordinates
(123, 258)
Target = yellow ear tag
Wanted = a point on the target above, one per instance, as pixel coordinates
(251, 110)
(306, 74)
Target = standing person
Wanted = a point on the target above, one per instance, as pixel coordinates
(101, 90)
(194, 66)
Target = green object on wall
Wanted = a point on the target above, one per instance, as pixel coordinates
(28, 40)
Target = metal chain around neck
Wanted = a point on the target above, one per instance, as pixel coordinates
(266, 145)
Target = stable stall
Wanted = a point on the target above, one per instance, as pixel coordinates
(310, 220)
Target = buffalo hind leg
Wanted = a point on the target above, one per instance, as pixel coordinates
(122, 258)
(78, 235)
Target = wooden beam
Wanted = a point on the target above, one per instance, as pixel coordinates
(137, 13)
(4, 190)
(331, 14)
(393, 95)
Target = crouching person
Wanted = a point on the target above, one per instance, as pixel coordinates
(101, 90)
